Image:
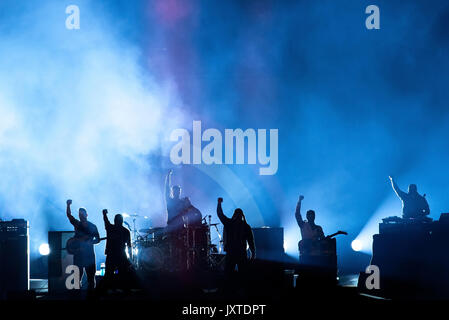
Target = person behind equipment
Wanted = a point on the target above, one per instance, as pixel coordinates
(414, 205)
(190, 214)
(237, 234)
(175, 204)
(88, 235)
(309, 230)
(311, 233)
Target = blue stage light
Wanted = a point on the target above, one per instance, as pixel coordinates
(357, 245)
(44, 249)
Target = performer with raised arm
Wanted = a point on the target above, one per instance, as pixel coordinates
(317, 253)
(414, 205)
(118, 244)
(175, 205)
(86, 235)
(310, 232)
(237, 234)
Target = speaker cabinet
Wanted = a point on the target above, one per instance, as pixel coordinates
(14, 257)
(269, 243)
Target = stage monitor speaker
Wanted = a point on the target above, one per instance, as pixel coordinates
(14, 257)
(58, 260)
(269, 243)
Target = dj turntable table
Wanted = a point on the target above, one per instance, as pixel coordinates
(412, 257)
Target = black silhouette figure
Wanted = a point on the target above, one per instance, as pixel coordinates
(87, 234)
(118, 244)
(317, 253)
(311, 233)
(414, 205)
(237, 234)
(175, 205)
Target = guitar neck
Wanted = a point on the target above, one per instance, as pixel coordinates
(335, 234)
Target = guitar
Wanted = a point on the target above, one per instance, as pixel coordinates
(74, 245)
(336, 234)
(317, 247)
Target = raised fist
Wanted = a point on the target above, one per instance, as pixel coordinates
(391, 178)
(170, 172)
(105, 211)
(69, 202)
(301, 198)
(220, 200)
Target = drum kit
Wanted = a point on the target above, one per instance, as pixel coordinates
(187, 248)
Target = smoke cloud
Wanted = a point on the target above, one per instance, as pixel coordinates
(80, 119)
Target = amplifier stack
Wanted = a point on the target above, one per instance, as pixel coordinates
(14, 257)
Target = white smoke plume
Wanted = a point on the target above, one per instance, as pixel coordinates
(79, 118)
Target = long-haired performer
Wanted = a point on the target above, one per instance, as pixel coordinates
(237, 235)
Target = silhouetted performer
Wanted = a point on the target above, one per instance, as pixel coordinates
(87, 234)
(190, 214)
(175, 224)
(175, 205)
(236, 235)
(414, 205)
(311, 233)
(118, 243)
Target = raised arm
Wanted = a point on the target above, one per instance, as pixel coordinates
(225, 220)
(69, 213)
(396, 188)
(107, 224)
(298, 216)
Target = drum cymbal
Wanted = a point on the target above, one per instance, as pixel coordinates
(134, 215)
(151, 230)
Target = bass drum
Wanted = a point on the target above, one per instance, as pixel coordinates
(198, 247)
(150, 258)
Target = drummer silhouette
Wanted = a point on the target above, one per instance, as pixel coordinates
(175, 205)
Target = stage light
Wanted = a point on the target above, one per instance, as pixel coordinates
(44, 249)
(356, 245)
(389, 207)
(291, 238)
